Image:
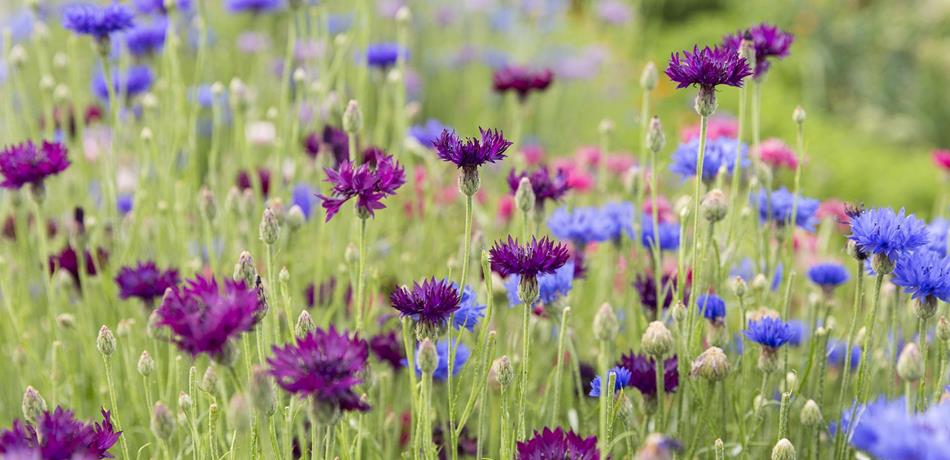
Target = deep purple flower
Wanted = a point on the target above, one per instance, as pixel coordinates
(521, 80)
(338, 142)
(643, 373)
(545, 187)
(146, 39)
(24, 163)
(97, 20)
(325, 365)
(68, 260)
(430, 303)
(311, 145)
(367, 184)
(769, 42)
(387, 348)
(385, 55)
(472, 152)
(145, 281)
(244, 181)
(135, 81)
(204, 316)
(542, 256)
(59, 436)
(646, 289)
(708, 68)
(558, 444)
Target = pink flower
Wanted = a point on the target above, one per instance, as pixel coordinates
(664, 211)
(533, 154)
(835, 210)
(942, 158)
(576, 177)
(589, 156)
(776, 154)
(720, 126)
(506, 208)
(620, 163)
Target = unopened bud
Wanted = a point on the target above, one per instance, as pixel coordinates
(184, 402)
(910, 364)
(261, 391)
(270, 227)
(239, 414)
(295, 218)
(65, 320)
(606, 326)
(304, 324)
(811, 414)
(798, 115)
(502, 371)
(163, 421)
(352, 119)
(33, 405)
(245, 270)
(657, 340)
(712, 365)
(146, 364)
(943, 328)
(524, 196)
(739, 287)
(105, 342)
(680, 313)
(714, 206)
(427, 357)
(656, 140)
(649, 77)
(784, 450)
(209, 382)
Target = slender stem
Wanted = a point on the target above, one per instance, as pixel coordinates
(525, 354)
(115, 406)
(560, 364)
(466, 252)
(360, 277)
(659, 365)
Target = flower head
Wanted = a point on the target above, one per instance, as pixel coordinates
(769, 42)
(146, 39)
(367, 184)
(427, 134)
(145, 281)
(68, 259)
(158, 6)
(545, 187)
(472, 152)
(25, 163)
(776, 154)
(667, 235)
(521, 81)
(769, 332)
(98, 21)
(708, 68)
(837, 351)
(537, 257)
(204, 316)
(135, 81)
(941, 158)
(621, 380)
(712, 307)
(938, 230)
(719, 153)
(325, 365)
(580, 226)
(254, 6)
(646, 290)
(558, 444)
(388, 349)
(470, 311)
(245, 180)
(58, 435)
(888, 430)
(430, 303)
(923, 274)
(462, 353)
(385, 55)
(776, 206)
(882, 231)
(643, 373)
(828, 275)
(552, 286)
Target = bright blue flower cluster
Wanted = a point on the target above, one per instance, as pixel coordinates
(622, 379)
(938, 231)
(668, 235)
(720, 153)
(584, 225)
(887, 430)
(385, 55)
(462, 353)
(769, 332)
(146, 38)
(828, 275)
(883, 231)
(97, 21)
(552, 286)
(135, 81)
(777, 207)
(712, 307)
(470, 311)
(923, 274)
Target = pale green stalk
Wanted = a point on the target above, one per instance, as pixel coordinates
(565, 314)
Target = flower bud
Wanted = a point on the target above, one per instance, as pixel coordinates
(427, 357)
(606, 325)
(784, 450)
(163, 421)
(261, 391)
(33, 405)
(943, 328)
(760, 283)
(798, 115)
(239, 414)
(245, 270)
(649, 77)
(655, 138)
(910, 364)
(714, 206)
(524, 196)
(105, 342)
(882, 264)
(403, 15)
(739, 287)
(811, 414)
(680, 313)
(606, 126)
(352, 119)
(295, 218)
(304, 324)
(502, 371)
(270, 227)
(528, 289)
(926, 307)
(469, 181)
(184, 402)
(209, 382)
(706, 103)
(65, 320)
(657, 340)
(712, 365)
(146, 364)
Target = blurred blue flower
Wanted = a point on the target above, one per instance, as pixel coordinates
(621, 380)
(427, 133)
(146, 38)
(712, 307)
(669, 235)
(776, 206)
(470, 311)
(552, 286)
(837, 350)
(720, 152)
(135, 81)
(305, 197)
(462, 353)
(828, 275)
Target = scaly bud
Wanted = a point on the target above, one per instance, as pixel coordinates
(712, 365)
(524, 196)
(270, 227)
(146, 364)
(606, 326)
(657, 340)
(352, 119)
(655, 138)
(304, 324)
(33, 405)
(502, 371)
(714, 206)
(910, 364)
(798, 115)
(811, 414)
(105, 342)
(427, 357)
(163, 421)
(649, 77)
(784, 450)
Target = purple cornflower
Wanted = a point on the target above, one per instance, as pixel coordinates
(147, 39)
(243, 181)
(68, 260)
(777, 207)
(97, 21)
(925, 275)
(882, 231)
(769, 42)
(646, 290)
(712, 307)
(338, 142)
(58, 435)
(388, 349)
(621, 380)
(385, 55)
(521, 81)
(545, 187)
(537, 257)
(369, 186)
(426, 134)
(769, 332)
(24, 163)
(643, 373)
(470, 153)
(828, 275)
(719, 153)
(708, 68)
(254, 6)
(145, 281)
(324, 365)
(429, 304)
(136, 80)
(558, 444)
(204, 317)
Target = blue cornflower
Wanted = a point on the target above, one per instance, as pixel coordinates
(146, 39)
(938, 231)
(427, 133)
(158, 6)
(552, 286)
(924, 274)
(769, 332)
(712, 307)
(618, 219)
(97, 21)
(669, 235)
(887, 430)
(828, 275)
(885, 232)
(385, 55)
(136, 80)
(462, 353)
(838, 350)
(720, 152)
(799, 331)
(777, 206)
(305, 197)
(124, 203)
(339, 23)
(581, 226)
(622, 379)
(470, 311)
(254, 6)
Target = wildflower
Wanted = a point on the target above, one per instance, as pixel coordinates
(888, 430)
(429, 304)
(712, 365)
(617, 220)
(338, 142)
(385, 55)
(643, 373)
(528, 261)
(551, 286)
(883, 232)
(580, 226)
(712, 307)
(243, 181)
(388, 349)
(521, 81)
(253, 6)
(27, 163)
(769, 332)
(776, 154)
(941, 158)
(707, 68)
(441, 372)
(158, 6)
(469, 154)
(304, 197)
(837, 352)
(769, 42)
(543, 185)
(325, 365)
(145, 281)
(621, 376)
(58, 435)
(646, 290)
(938, 231)
(205, 317)
(828, 275)
(925, 275)
(657, 340)
(776, 206)
(426, 134)
(666, 235)
(719, 153)
(99, 21)
(550, 444)
(368, 185)
(135, 81)
(146, 39)
(68, 259)
(469, 311)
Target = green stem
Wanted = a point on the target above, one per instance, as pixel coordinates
(558, 369)
(360, 277)
(115, 406)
